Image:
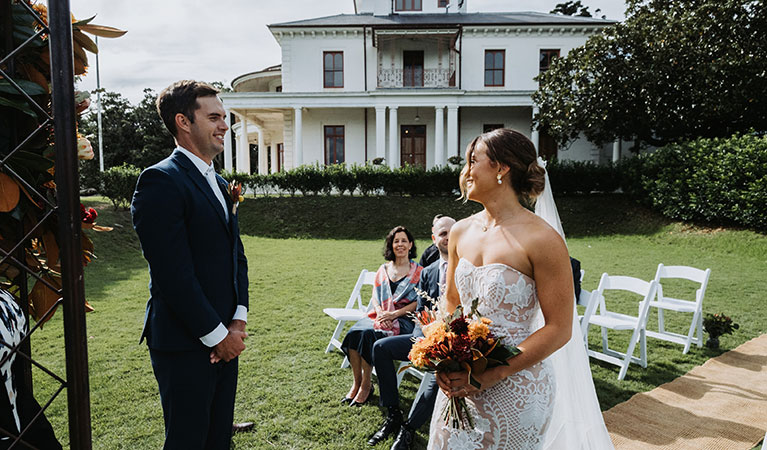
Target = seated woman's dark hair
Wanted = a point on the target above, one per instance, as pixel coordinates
(388, 252)
(514, 150)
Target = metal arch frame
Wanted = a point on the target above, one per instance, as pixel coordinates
(59, 29)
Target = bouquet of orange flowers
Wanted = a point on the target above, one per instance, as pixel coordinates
(456, 342)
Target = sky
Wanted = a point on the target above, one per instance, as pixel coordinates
(206, 40)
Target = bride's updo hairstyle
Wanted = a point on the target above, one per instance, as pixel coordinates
(514, 150)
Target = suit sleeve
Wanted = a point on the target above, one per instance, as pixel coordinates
(158, 217)
(242, 275)
(423, 284)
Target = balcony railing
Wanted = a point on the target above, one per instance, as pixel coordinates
(432, 78)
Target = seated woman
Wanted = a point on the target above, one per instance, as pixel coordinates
(394, 297)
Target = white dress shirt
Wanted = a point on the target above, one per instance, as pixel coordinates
(209, 173)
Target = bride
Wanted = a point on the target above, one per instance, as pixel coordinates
(517, 264)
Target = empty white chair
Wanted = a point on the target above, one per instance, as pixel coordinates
(352, 312)
(679, 305)
(598, 314)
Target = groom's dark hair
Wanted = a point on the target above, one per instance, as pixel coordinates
(181, 97)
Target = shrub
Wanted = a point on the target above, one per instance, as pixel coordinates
(341, 179)
(722, 180)
(370, 178)
(118, 183)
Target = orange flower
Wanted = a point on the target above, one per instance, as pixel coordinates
(478, 330)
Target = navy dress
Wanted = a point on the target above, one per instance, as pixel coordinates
(362, 335)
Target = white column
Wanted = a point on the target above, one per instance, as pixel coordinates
(616, 150)
(452, 130)
(380, 132)
(533, 131)
(275, 156)
(243, 149)
(263, 162)
(228, 144)
(393, 138)
(439, 136)
(298, 126)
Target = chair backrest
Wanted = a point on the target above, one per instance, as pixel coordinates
(647, 289)
(366, 278)
(685, 273)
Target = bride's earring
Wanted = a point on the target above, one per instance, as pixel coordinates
(499, 179)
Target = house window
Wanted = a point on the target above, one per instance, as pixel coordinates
(407, 5)
(333, 69)
(494, 65)
(488, 127)
(441, 3)
(334, 144)
(546, 58)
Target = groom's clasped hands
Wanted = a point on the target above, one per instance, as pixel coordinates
(232, 345)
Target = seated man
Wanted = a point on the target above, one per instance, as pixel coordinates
(386, 350)
(431, 253)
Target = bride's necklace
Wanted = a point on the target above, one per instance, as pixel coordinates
(497, 222)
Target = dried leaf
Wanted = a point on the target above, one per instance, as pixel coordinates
(42, 298)
(102, 31)
(51, 247)
(100, 228)
(9, 193)
(86, 42)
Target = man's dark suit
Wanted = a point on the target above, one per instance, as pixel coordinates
(386, 350)
(198, 276)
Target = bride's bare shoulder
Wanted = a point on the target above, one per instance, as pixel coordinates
(464, 225)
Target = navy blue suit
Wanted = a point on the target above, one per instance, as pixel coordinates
(386, 350)
(198, 276)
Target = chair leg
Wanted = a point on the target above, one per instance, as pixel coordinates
(627, 358)
(700, 328)
(661, 323)
(336, 335)
(345, 364)
(604, 340)
(691, 333)
(643, 348)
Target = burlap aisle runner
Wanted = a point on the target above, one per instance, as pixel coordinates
(719, 405)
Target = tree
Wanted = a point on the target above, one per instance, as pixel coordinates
(573, 8)
(673, 71)
(156, 141)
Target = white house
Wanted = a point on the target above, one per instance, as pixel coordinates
(410, 81)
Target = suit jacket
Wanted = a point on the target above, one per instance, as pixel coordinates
(429, 255)
(197, 266)
(430, 283)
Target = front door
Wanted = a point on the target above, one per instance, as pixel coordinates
(413, 145)
(412, 75)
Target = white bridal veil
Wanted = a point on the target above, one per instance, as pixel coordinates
(577, 422)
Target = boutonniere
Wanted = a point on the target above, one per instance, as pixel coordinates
(235, 193)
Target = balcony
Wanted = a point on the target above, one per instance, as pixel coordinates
(416, 58)
(425, 78)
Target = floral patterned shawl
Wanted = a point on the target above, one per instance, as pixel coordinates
(392, 301)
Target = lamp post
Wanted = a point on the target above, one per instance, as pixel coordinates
(98, 111)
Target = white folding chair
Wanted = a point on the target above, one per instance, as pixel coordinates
(425, 381)
(607, 319)
(353, 311)
(684, 306)
(764, 442)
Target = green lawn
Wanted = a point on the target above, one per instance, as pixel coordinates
(305, 254)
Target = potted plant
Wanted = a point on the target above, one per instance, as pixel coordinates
(717, 325)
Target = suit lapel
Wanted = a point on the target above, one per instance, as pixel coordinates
(202, 185)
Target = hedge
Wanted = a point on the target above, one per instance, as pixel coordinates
(722, 180)
(118, 183)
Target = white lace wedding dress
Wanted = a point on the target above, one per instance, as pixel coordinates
(514, 413)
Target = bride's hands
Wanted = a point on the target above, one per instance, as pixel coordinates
(456, 384)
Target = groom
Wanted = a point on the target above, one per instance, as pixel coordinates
(197, 309)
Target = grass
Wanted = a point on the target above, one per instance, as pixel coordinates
(305, 254)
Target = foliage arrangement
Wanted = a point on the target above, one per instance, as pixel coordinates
(711, 180)
(718, 325)
(674, 70)
(27, 176)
